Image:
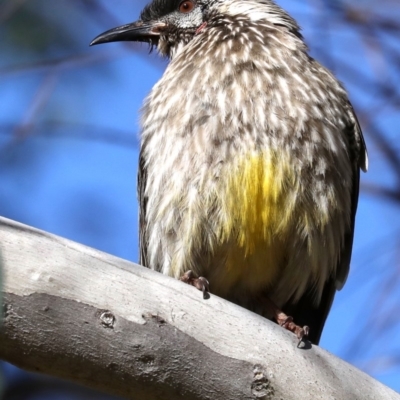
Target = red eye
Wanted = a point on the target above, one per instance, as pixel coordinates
(186, 6)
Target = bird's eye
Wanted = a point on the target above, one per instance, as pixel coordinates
(186, 6)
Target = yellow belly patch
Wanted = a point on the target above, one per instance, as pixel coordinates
(257, 206)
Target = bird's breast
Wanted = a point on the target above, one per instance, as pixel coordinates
(246, 176)
(226, 216)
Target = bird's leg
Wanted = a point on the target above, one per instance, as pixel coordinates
(286, 321)
(199, 283)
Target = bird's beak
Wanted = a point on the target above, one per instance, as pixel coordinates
(135, 32)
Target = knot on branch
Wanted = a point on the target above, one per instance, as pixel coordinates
(261, 387)
(107, 319)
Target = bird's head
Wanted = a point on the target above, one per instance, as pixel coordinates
(166, 24)
(171, 24)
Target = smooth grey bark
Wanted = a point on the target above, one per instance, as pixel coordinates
(80, 314)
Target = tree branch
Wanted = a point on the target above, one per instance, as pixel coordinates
(80, 314)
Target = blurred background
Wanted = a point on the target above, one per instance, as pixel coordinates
(69, 149)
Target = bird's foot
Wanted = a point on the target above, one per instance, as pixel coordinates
(287, 322)
(199, 283)
(272, 311)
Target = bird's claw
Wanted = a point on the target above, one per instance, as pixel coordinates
(199, 283)
(286, 322)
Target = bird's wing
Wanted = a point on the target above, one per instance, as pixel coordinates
(360, 156)
(305, 312)
(141, 184)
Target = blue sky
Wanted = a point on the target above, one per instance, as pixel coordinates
(72, 170)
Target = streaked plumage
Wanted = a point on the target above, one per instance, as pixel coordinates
(250, 158)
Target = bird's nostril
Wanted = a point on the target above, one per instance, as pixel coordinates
(158, 28)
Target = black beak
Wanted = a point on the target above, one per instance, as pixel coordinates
(139, 31)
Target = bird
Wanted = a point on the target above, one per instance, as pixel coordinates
(250, 159)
